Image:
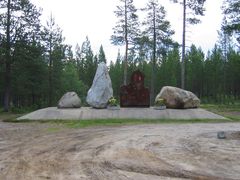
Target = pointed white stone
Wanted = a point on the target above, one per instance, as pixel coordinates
(101, 90)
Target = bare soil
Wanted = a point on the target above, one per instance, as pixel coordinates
(164, 151)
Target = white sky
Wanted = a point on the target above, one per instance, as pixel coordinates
(95, 19)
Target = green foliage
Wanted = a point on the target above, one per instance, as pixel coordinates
(19, 22)
(158, 33)
(71, 81)
(29, 74)
(126, 29)
(112, 101)
(86, 63)
(75, 124)
(37, 67)
(194, 70)
(213, 79)
(121, 122)
(231, 9)
(169, 70)
(195, 8)
(101, 55)
(157, 28)
(116, 75)
(160, 102)
(126, 32)
(23, 110)
(230, 111)
(54, 53)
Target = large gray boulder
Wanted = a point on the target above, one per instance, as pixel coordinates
(69, 100)
(178, 98)
(101, 90)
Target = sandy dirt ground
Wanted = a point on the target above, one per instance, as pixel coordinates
(143, 152)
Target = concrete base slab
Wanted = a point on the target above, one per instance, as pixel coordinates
(122, 113)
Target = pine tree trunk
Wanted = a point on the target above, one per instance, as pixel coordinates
(153, 60)
(50, 87)
(8, 62)
(50, 75)
(126, 47)
(183, 46)
(125, 64)
(7, 87)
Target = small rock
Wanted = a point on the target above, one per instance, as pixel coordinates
(69, 100)
(221, 135)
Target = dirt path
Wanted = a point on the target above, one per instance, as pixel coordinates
(191, 151)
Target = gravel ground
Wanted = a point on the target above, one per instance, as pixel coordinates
(165, 151)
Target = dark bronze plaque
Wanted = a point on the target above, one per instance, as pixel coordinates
(135, 94)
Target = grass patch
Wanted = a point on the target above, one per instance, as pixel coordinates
(8, 116)
(14, 120)
(221, 107)
(53, 129)
(229, 111)
(114, 122)
(121, 122)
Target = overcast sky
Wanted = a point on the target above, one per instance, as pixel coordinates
(95, 19)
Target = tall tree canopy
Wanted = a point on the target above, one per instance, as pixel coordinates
(39, 67)
(126, 31)
(192, 8)
(19, 22)
(87, 63)
(158, 33)
(232, 12)
(54, 50)
(101, 55)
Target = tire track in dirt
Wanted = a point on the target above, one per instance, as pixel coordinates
(29, 151)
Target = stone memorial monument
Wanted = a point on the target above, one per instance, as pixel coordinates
(135, 94)
(178, 98)
(69, 100)
(101, 90)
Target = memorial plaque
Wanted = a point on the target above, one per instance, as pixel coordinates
(135, 94)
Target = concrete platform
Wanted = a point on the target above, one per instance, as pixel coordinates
(122, 113)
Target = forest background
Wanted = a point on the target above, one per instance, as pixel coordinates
(37, 67)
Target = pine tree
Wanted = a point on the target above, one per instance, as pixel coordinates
(101, 55)
(169, 69)
(232, 73)
(18, 20)
(213, 82)
(126, 31)
(195, 8)
(52, 38)
(226, 44)
(88, 63)
(116, 74)
(71, 81)
(194, 67)
(224, 39)
(158, 32)
(79, 60)
(29, 75)
(231, 9)
(144, 48)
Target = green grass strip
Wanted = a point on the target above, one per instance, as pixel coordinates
(118, 122)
